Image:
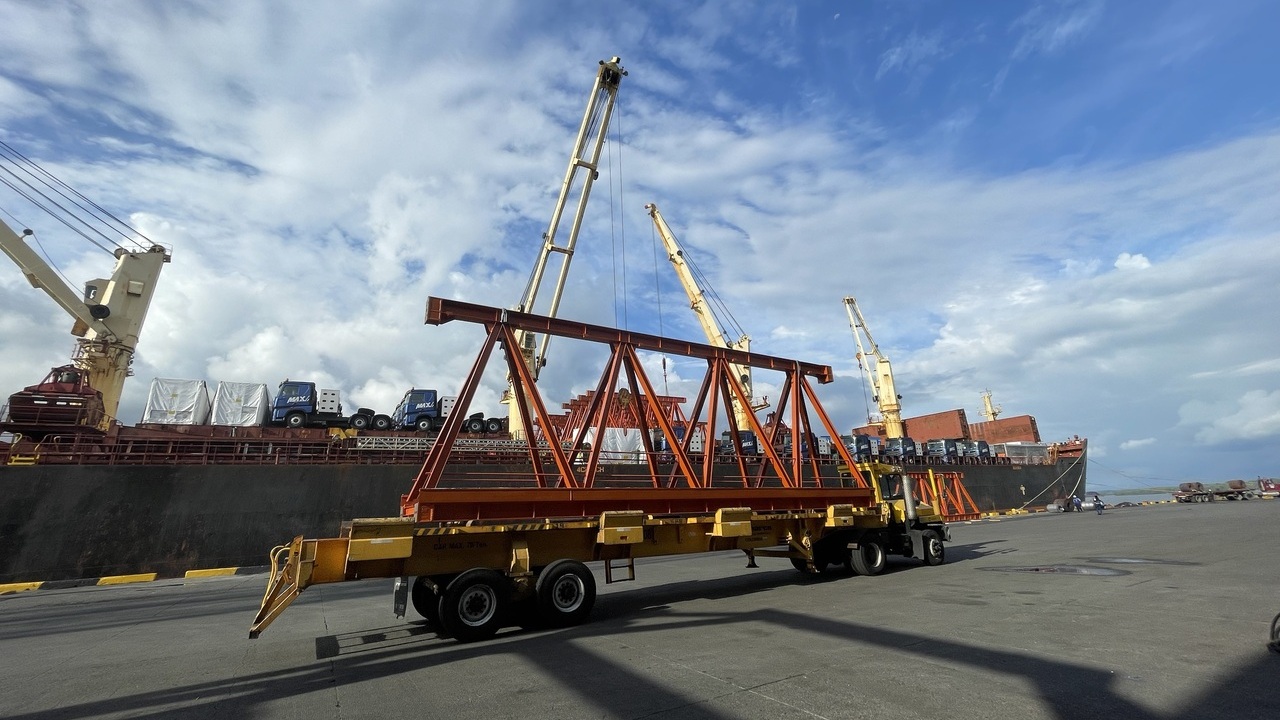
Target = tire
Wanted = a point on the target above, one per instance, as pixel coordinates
(803, 566)
(935, 553)
(295, 420)
(867, 559)
(565, 593)
(475, 604)
(425, 601)
(493, 425)
(423, 424)
(381, 422)
(475, 425)
(359, 422)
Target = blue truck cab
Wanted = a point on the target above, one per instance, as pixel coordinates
(299, 404)
(902, 448)
(419, 410)
(427, 411)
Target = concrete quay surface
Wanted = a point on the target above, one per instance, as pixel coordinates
(1157, 612)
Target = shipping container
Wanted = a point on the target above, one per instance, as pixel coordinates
(1020, 428)
(947, 425)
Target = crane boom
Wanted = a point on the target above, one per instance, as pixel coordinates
(583, 165)
(108, 318)
(881, 377)
(989, 410)
(698, 303)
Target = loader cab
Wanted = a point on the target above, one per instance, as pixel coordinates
(891, 485)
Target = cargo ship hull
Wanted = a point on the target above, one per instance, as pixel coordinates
(70, 521)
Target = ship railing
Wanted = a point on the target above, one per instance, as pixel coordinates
(81, 449)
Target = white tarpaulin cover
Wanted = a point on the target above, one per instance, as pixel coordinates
(177, 402)
(243, 404)
(621, 445)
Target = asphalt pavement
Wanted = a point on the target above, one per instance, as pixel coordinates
(1158, 612)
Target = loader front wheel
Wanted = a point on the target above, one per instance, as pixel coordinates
(935, 553)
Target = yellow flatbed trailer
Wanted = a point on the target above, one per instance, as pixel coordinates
(473, 577)
(510, 546)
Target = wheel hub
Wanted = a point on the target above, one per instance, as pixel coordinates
(477, 606)
(568, 593)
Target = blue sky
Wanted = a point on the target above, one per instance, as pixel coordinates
(1071, 204)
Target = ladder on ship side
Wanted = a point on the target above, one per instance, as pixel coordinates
(21, 459)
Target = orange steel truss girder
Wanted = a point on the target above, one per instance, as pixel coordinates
(574, 465)
(946, 491)
(625, 414)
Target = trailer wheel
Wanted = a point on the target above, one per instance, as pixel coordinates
(423, 424)
(935, 553)
(475, 425)
(566, 590)
(425, 600)
(473, 606)
(381, 422)
(359, 422)
(295, 420)
(493, 425)
(867, 558)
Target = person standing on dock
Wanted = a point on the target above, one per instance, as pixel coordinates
(1098, 504)
(1077, 503)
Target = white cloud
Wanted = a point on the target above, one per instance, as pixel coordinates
(915, 51)
(1125, 261)
(1251, 416)
(1042, 30)
(1134, 444)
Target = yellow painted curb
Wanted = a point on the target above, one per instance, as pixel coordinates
(125, 579)
(211, 572)
(18, 587)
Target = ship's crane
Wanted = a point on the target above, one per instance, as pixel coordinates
(583, 166)
(880, 377)
(108, 316)
(989, 410)
(710, 324)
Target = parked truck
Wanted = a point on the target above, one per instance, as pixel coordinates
(300, 404)
(1190, 492)
(942, 450)
(427, 410)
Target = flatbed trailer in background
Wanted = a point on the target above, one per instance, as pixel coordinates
(1190, 492)
(483, 557)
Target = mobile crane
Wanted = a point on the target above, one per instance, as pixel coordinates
(583, 165)
(881, 377)
(108, 316)
(711, 326)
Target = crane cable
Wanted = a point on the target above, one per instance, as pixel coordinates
(617, 228)
(866, 395)
(719, 309)
(99, 221)
(657, 287)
